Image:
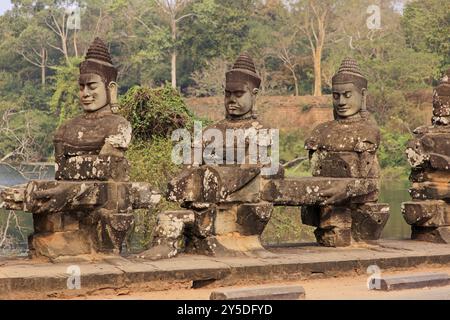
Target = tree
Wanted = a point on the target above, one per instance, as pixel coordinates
(427, 28)
(315, 17)
(174, 13)
(32, 46)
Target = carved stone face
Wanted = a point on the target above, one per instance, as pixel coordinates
(93, 93)
(239, 100)
(347, 99)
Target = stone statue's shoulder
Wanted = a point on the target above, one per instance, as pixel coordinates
(119, 131)
(227, 124)
(65, 127)
(115, 122)
(345, 136)
(316, 136)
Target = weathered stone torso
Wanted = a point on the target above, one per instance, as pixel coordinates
(345, 149)
(86, 135)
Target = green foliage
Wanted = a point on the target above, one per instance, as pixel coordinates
(426, 24)
(392, 149)
(151, 162)
(155, 112)
(65, 99)
(292, 145)
(25, 135)
(285, 227)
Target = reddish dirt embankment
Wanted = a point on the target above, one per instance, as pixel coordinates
(285, 113)
(290, 113)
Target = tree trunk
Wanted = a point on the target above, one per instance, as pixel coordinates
(75, 44)
(318, 72)
(43, 67)
(174, 54)
(297, 91)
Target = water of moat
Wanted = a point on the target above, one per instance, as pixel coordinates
(392, 192)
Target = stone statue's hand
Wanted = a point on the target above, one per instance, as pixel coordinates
(45, 194)
(337, 194)
(50, 200)
(110, 150)
(58, 192)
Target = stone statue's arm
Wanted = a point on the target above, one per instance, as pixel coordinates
(117, 143)
(371, 139)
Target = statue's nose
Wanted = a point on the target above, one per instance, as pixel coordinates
(86, 92)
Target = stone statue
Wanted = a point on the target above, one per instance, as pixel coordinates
(88, 208)
(224, 214)
(429, 155)
(346, 148)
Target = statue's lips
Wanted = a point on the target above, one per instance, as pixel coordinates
(233, 107)
(343, 109)
(87, 102)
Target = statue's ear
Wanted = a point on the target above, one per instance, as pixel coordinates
(255, 91)
(113, 92)
(364, 99)
(364, 92)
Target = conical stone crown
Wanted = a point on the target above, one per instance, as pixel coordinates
(243, 71)
(349, 72)
(99, 51)
(245, 62)
(98, 60)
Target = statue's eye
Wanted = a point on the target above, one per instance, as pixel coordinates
(227, 94)
(239, 93)
(93, 86)
(348, 94)
(336, 96)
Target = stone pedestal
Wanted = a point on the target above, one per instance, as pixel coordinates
(429, 155)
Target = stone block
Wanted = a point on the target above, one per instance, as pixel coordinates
(171, 224)
(71, 222)
(253, 218)
(335, 217)
(430, 234)
(369, 220)
(312, 191)
(433, 142)
(187, 187)
(439, 161)
(216, 184)
(143, 196)
(441, 101)
(345, 165)
(204, 222)
(54, 245)
(429, 175)
(52, 222)
(44, 197)
(430, 191)
(260, 293)
(250, 193)
(432, 213)
(226, 220)
(94, 167)
(334, 237)
(428, 280)
(13, 198)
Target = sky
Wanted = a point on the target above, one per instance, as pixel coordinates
(4, 5)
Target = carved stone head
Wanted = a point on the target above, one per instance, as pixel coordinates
(349, 90)
(441, 101)
(98, 87)
(242, 86)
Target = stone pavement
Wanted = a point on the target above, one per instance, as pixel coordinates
(25, 278)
